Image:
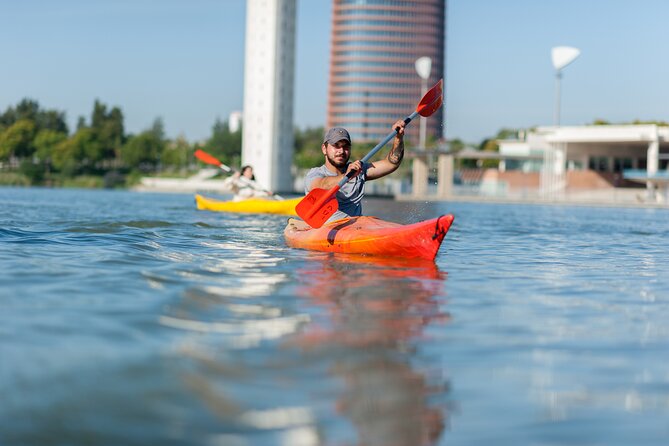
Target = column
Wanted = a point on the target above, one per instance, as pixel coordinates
(269, 65)
(652, 164)
(445, 175)
(560, 168)
(420, 175)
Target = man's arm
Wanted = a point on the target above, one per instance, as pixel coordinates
(324, 182)
(330, 182)
(381, 168)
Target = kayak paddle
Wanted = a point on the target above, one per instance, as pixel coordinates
(210, 159)
(319, 204)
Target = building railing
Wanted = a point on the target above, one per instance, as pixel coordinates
(642, 174)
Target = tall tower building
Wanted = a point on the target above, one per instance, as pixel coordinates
(373, 79)
(267, 140)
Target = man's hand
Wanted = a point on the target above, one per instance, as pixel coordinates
(399, 127)
(355, 167)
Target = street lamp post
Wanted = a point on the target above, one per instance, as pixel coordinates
(561, 57)
(423, 68)
(419, 165)
(553, 179)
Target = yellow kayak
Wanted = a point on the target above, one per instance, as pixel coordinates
(251, 205)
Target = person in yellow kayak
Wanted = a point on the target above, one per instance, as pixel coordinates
(243, 185)
(336, 150)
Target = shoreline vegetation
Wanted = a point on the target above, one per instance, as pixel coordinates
(38, 149)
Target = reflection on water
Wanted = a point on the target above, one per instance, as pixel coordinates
(375, 312)
(360, 328)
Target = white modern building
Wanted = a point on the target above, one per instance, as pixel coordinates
(267, 140)
(634, 152)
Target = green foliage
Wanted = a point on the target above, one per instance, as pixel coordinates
(506, 133)
(33, 171)
(13, 179)
(308, 147)
(83, 181)
(113, 180)
(457, 145)
(658, 123)
(133, 178)
(360, 149)
(107, 132)
(18, 140)
(29, 110)
(635, 122)
(52, 120)
(223, 144)
(74, 153)
(158, 129)
(489, 145)
(142, 151)
(177, 154)
(46, 142)
(101, 154)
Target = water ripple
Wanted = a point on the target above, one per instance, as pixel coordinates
(132, 318)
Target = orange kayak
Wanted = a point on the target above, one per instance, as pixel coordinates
(371, 236)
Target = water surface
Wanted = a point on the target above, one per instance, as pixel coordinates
(129, 318)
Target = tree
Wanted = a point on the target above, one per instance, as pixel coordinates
(176, 153)
(29, 110)
(456, 145)
(77, 151)
(52, 120)
(158, 129)
(81, 123)
(308, 147)
(46, 142)
(223, 144)
(108, 132)
(143, 151)
(17, 140)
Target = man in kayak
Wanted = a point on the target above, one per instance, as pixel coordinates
(243, 185)
(336, 149)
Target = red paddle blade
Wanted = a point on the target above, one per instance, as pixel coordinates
(313, 210)
(432, 100)
(205, 157)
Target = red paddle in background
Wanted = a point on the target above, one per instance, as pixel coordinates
(320, 204)
(210, 159)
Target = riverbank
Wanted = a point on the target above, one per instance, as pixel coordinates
(619, 197)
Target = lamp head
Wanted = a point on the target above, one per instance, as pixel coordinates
(423, 67)
(563, 56)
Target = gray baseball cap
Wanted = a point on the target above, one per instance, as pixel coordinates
(336, 134)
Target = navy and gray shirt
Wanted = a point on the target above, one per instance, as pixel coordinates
(349, 196)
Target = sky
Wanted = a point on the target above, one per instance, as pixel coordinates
(183, 61)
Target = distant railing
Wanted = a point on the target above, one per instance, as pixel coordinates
(642, 174)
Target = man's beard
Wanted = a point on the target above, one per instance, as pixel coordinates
(337, 164)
